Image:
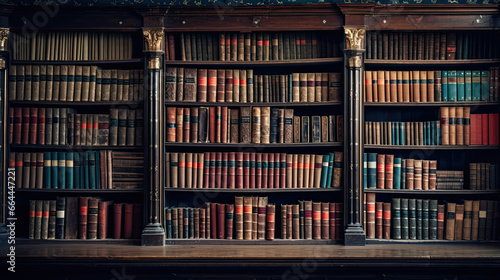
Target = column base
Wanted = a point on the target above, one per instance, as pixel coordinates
(354, 236)
(153, 235)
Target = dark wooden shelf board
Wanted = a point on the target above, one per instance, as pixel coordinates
(431, 104)
(250, 242)
(437, 147)
(240, 104)
(28, 241)
(78, 191)
(263, 190)
(74, 147)
(434, 241)
(76, 103)
(258, 64)
(252, 145)
(433, 192)
(81, 62)
(468, 62)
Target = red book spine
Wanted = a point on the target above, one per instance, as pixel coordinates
(229, 220)
(246, 170)
(117, 220)
(213, 220)
(252, 170)
(102, 220)
(325, 220)
(187, 124)
(26, 125)
(277, 176)
(258, 169)
(239, 170)
(221, 221)
(440, 221)
(332, 220)
(212, 85)
(225, 163)
(339, 206)
(379, 211)
(224, 117)
(474, 135)
(484, 129)
(213, 161)
(316, 220)
(283, 166)
(270, 171)
(18, 120)
(270, 222)
(218, 170)
(218, 124)
(202, 85)
(41, 126)
(493, 129)
(265, 169)
(82, 230)
(127, 220)
(232, 170)
(211, 124)
(11, 125)
(206, 169)
(380, 171)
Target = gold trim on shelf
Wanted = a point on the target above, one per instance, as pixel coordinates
(154, 63)
(354, 38)
(154, 38)
(4, 36)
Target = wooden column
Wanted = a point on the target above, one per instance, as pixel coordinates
(353, 108)
(4, 185)
(154, 234)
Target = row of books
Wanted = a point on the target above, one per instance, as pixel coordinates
(78, 170)
(424, 219)
(74, 83)
(253, 170)
(84, 218)
(72, 45)
(251, 46)
(431, 86)
(430, 45)
(383, 171)
(403, 133)
(483, 176)
(250, 125)
(312, 220)
(450, 180)
(242, 85)
(63, 126)
(483, 129)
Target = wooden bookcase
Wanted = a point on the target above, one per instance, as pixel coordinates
(349, 21)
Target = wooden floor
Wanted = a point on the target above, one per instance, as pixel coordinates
(381, 261)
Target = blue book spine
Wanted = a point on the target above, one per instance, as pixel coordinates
(61, 159)
(424, 128)
(372, 170)
(476, 85)
(98, 170)
(47, 169)
(444, 85)
(460, 85)
(452, 85)
(92, 173)
(324, 170)
(468, 85)
(428, 126)
(86, 172)
(54, 169)
(76, 168)
(69, 170)
(330, 170)
(403, 174)
(401, 133)
(438, 133)
(485, 85)
(365, 170)
(397, 173)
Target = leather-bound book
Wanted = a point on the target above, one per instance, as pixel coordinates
(33, 125)
(24, 126)
(117, 220)
(467, 220)
(452, 126)
(296, 87)
(316, 220)
(445, 125)
(412, 219)
(459, 125)
(325, 220)
(379, 220)
(202, 85)
(36, 222)
(451, 45)
(170, 84)
(247, 217)
(45, 219)
(386, 220)
(337, 170)
(190, 84)
(92, 217)
(245, 125)
(311, 91)
(417, 179)
(405, 226)
(425, 174)
(288, 129)
(380, 171)
(28, 82)
(265, 124)
(406, 87)
(475, 219)
(483, 219)
(114, 85)
(261, 218)
(368, 87)
(229, 220)
(303, 87)
(113, 126)
(396, 218)
(389, 172)
(370, 215)
(296, 129)
(380, 86)
(35, 83)
(459, 222)
(229, 85)
(450, 220)
(131, 127)
(236, 85)
(270, 221)
(308, 219)
(52, 220)
(432, 174)
(83, 203)
(440, 221)
(122, 127)
(256, 124)
(102, 219)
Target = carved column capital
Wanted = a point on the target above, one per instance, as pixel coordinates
(154, 38)
(4, 36)
(355, 37)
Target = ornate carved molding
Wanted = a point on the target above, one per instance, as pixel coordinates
(355, 61)
(4, 36)
(2, 63)
(154, 63)
(354, 38)
(154, 38)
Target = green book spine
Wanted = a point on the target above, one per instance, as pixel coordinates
(86, 173)
(419, 219)
(76, 170)
(396, 218)
(97, 170)
(468, 85)
(401, 133)
(61, 159)
(92, 171)
(444, 85)
(70, 170)
(476, 85)
(47, 163)
(452, 86)
(397, 173)
(433, 213)
(425, 219)
(54, 171)
(330, 170)
(485, 85)
(412, 218)
(460, 85)
(405, 227)
(324, 170)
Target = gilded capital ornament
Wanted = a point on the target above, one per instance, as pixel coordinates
(2, 63)
(4, 36)
(154, 63)
(354, 38)
(355, 61)
(154, 38)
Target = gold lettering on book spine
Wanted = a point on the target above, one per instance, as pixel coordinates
(354, 38)
(4, 35)
(154, 39)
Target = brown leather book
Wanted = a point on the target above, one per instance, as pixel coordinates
(389, 172)
(380, 171)
(255, 214)
(381, 86)
(451, 45)
(33, 125)
(316, 220)
(370, 215)
(222, 124)
(337, 169)
(179, 89)
(174, 170)
(203, 223)
(318, 165)
(265, 124)
(475, 219)
(332, 221)
(202, 81)
(378, 220)
(243, 92)
(375, 86)
(222, 46)
(459, 125)
(283, 221)
(415, 89)
(229, 215)
(450, 220)
(114, 85)
(423, 86)
(72, 218)
(325, 220)
(311, 93)
(440, 221)
(256, 124)
(122, 126)
(13, 81)
(288, 129)
(399, 80)
(417, 179)
(296, 129)
(308, 219)
(452, 126)
(92, 216)
(83, 203)
(181, 170)
(466, 124)
(467, 220)
(387, 83)
(247, 217)
(432, 174)
(459, 222)
(425, 174)
(295, 221)
(368, 87)
(245, 125)
(238, 217)
(300, 171)
(102, 219)
(229, 85)
(270, 221)
(303, 87)
(430, 87)
(190, 84)
(444, 116)
(393, 86)
(27, 82)
(410, 172)
(386, 220)
(212, 124)
(406, 86)
(35, 83)
(335, 90)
